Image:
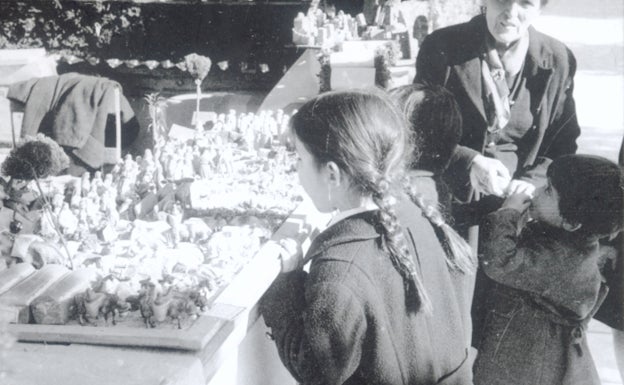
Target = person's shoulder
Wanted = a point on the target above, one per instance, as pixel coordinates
(561, 54)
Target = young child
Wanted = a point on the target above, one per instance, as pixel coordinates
(378, 305)
(611, 312)
(548, 283)
(434, 124)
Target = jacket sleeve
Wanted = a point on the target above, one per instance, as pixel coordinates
(457, 175)
(431, 62)
(319, 338)
(506, 260)
(432, 67)
(563, 127)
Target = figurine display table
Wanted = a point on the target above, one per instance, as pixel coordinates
(228, 345)
(351, 68)
(224, 255)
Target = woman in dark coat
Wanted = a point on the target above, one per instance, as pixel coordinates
(514, 88)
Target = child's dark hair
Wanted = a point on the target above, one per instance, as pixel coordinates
(591, 193)
(435, 124)
(364, 134)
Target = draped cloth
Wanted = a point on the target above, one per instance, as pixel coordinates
(74, 110)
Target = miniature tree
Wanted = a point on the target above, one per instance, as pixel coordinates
(198, 66)
(32, 160)
(158, 125)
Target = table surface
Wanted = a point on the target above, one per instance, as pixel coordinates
(35, 363)
(76, 363)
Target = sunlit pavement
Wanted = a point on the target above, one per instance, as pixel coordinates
(594, 31)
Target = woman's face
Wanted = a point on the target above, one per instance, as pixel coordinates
(508, 20)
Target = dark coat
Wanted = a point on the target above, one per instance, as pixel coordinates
(548, 286)
(74, 110)
(452, 57)
(346, 322)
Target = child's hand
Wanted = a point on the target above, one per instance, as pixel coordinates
(517, 201)
(291, 255)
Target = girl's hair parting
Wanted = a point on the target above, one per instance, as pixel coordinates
(364, 134)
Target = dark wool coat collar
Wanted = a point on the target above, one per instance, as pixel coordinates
(359, 227)
(538, 63)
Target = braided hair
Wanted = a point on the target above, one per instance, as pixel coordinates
(459, 255)
(435, 128)
(364, 134)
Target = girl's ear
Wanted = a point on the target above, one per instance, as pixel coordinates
(334, 174)
(569, 226)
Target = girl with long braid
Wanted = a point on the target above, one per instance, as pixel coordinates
(378, 305)
(435, 128)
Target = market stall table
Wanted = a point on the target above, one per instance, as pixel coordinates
(226, 345)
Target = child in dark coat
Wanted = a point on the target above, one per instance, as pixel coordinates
(378, 305)
(548, 283)
(435, 127)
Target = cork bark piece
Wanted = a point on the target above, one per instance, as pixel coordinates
(54, 306)
(22, 294)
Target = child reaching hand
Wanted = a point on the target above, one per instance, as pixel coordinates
(548, 283)
(378, 305)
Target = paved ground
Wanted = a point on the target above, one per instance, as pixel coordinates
(594, 30)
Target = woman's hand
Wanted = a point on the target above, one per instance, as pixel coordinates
(520, 187)
(519, 202)
(291, 255)
(489, 176)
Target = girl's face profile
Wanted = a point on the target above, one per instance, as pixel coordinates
(312, 178)
(508, 20)
(545, 206)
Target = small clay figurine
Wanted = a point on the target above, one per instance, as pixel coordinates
(85, 185)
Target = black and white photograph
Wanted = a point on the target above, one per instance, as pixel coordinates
(312, 192)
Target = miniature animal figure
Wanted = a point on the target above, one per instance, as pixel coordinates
(91, 304)
(113, 306)
(173, 305)
(146, 300)
(180, 308)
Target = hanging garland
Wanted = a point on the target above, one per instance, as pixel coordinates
(153, 64)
